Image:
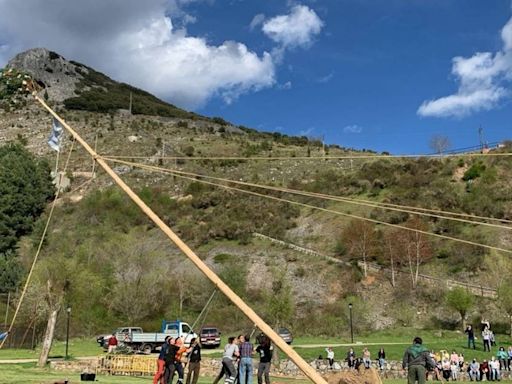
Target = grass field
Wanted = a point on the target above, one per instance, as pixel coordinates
(27, 373)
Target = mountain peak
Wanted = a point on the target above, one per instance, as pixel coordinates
(58, 75)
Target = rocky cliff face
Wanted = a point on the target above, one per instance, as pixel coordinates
(54, 72)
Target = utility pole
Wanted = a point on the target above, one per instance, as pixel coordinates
(481, 137)
(130, 107)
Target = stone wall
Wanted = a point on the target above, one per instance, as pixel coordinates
(286, 368)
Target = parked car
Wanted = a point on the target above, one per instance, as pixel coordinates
(285, 334)
(209, 337)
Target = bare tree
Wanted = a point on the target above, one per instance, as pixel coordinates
(439, 143)
(360, 238)
(417, 247)
(392, 250)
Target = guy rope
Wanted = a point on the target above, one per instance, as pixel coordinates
(311, 373)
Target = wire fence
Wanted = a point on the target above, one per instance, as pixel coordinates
(477, 290)
(133, 365)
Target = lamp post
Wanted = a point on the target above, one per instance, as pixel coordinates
(351, 325)
(68, 312)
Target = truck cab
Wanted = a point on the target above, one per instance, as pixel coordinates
(178, 329)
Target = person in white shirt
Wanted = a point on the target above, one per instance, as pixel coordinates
(494, 367)
(330, 356)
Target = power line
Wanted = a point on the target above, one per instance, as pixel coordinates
(331, 197)
(198, 178)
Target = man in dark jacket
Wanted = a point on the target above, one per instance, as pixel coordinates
(417, 360)
(194, 361)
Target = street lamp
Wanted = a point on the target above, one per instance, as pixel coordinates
(351, 325)
(68, 312)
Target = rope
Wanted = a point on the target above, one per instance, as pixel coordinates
(391, 207)
(178, 174)
(40, 245)
(344, 157)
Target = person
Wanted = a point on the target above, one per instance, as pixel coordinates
(494, 369)
(486, 337)
(484, 370)
(474, 371)
(178, 365)
(112, 343)
(265, 351)
(461, 361)
(417, 361)
(454, 370)
(194, 361)
(231, 353)
(471, 336)
(446, 368)
(366, 358)
(492, 338)
(169, 358)
(509, 361)
(502, 357)
(330, 356)
(246, 350)
(381, 356)
(351, 358)
(160, 362)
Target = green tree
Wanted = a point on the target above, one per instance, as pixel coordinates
(461, 301)
(280, 307)
(505, 299)
(25, 187)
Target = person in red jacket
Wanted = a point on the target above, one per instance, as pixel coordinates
(112, 343)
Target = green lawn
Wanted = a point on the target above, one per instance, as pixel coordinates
(77, 347)
(27, 373)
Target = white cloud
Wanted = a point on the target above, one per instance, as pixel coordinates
(354, 128)
(257, 20)
(296, 29)
(285, 86)
(482, 79)
(134, 41)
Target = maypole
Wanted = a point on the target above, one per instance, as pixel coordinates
(248, 311)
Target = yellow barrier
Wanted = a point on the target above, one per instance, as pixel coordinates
(134, 365)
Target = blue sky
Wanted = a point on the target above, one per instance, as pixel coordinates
(374, 74)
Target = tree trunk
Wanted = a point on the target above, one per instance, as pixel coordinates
(48, 337)
(463, 315)
(393, 283)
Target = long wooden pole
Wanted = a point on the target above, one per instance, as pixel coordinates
(248, 311)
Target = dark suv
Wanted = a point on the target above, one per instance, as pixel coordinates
(209, 337)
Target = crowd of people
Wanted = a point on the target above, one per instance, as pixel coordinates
(237, 361)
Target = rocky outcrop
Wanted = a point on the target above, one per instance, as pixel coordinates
(52, 71)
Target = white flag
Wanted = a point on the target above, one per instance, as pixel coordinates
(54, 141)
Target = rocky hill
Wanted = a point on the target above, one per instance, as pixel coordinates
(120, 258)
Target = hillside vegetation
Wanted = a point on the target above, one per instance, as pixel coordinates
(109, 263)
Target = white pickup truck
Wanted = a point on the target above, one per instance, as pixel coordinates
(147, 342)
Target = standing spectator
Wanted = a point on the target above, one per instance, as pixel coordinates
(509, 361)
(112, 343)
(160, 363)
(330, 356)
(474, 371)
(194, 361)
(502, 357)
(230, 354)
(484, 370)
(351, 358)
(381, 356)
(494, 369)
(417, 360)
(492, 338)
(246, 350)
(265, 351)
(486, 337)
(471, 336)
(367, 361)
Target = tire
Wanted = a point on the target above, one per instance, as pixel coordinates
(146, 348)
